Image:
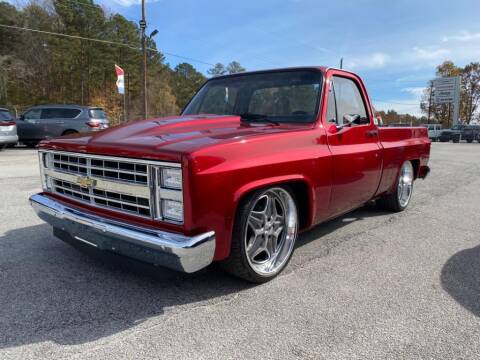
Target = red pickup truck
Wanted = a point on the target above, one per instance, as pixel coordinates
(254, 159)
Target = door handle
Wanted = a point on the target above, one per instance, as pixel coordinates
(371, 133)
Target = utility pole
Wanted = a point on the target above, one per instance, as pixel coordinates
(143, 25)
(341, 63)
(430, 103)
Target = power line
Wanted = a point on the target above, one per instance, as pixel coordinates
(109, 42)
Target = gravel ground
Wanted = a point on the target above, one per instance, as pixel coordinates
(368, 285)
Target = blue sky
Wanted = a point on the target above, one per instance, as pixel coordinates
(393, 45)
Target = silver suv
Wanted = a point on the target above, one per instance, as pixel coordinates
(8, 129)
(49, 121)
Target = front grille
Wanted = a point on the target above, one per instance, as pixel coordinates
(119, 184)
(108, 199)
(122, 171)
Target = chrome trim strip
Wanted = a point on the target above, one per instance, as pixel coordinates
(176, 251)
(102, 198)
(115, 158)
(102, 184)
(85, 241)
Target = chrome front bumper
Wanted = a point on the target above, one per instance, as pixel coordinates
(175, 251)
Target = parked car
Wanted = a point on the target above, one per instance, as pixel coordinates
(470, 133)
(434, 131)
(8, 129)
(49, 121)
(454, 134)
(254, 159)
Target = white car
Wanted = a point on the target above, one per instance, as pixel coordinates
(434, 131)
(8, 129)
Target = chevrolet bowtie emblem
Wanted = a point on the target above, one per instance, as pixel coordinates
(85, 181)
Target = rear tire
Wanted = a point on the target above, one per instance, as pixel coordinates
(31, 144)
(264, 235)
(69, 132)
(400, 198)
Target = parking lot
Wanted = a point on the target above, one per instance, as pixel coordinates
(368, 285)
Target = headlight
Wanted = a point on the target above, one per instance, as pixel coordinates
(169, 193)
(172, 178)
(172, 210)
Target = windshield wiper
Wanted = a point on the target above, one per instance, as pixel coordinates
(257, 118)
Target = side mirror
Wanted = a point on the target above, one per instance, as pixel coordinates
(351, 118)
(355, 119)
(348, 120)
(21, 117)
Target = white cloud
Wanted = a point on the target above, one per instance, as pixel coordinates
(417, 91)
(400, 106)
(463, 36)
(379, 59)
(373, 61)
(430, 53)
(410, 105)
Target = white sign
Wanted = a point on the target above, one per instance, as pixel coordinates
(446, 90)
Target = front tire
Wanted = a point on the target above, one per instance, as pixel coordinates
(264, 235)
(400, 198)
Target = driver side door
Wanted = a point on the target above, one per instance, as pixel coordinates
(355, 146)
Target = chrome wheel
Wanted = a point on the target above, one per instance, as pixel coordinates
(405, 184)
(270, 232)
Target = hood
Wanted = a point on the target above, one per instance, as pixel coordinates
(170, 136)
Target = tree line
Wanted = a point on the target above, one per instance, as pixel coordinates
(39, 68)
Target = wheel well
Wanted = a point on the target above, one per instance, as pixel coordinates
(300, 192)
(69, 131)
(416, 166)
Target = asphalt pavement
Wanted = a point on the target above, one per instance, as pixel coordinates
(370, 285)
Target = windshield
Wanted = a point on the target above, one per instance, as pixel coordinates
(5, 116)
(283, 96)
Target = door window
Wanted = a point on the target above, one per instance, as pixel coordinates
(33, 115)
(70, 113)
(349, 100)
